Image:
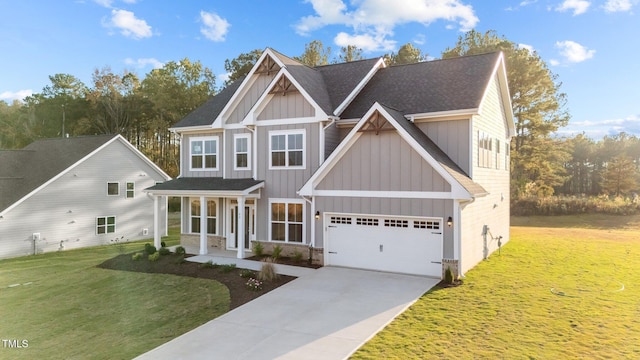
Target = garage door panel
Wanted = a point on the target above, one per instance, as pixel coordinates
(405, 245)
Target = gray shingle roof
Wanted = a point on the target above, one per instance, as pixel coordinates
(431, 86)
(313, 83)
(440, 156)
(206, 184)
(22, 171)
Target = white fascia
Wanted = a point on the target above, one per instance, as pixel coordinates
(380, 64)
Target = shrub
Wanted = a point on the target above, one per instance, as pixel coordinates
(448, 275)
(154, 257)
(277, 250)
(227, 268)
(149, 249)
(180, 259)
(163, 244)
(297, 256)
(208, 265)
(180, 250)
(164, 251)
(254, 284)
(136, 256)
(268, 271)
(258, 249)
(246, 273)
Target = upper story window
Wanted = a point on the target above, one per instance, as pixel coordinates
(242, 152)
(113, 188)
(204, 153)
(498, 159)
(287, 149)
(507, 150)
(485, 149)
(131, 189)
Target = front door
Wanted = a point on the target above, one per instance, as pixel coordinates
(249, 221)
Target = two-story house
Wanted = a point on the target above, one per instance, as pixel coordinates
(402, 168)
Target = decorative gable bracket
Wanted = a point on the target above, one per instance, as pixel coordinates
(376, 123)
(283, 86)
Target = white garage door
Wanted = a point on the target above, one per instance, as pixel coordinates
(394, 244)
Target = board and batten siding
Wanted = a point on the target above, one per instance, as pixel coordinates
(491, 210)
(64, 212)
(452, 136)
(383, 162)
(248, 99)
(439, 208)
(185, 154)
(291, 105)
(284, 183)
(332, 138)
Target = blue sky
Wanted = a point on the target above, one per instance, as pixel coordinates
(592, 46)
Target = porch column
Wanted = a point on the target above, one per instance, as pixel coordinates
(156, 222)
(241, 227)
(203, 225)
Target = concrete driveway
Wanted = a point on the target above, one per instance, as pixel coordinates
(327, 314)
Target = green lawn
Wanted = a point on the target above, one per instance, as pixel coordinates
(562, 288)
(66, 308)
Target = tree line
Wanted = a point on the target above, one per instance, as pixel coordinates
(542, 164)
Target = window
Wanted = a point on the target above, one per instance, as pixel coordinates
(498, 154)
(287, 149)
(130, 190)
(242, 150)
(396, 223)
(367, 221)
(485, 145)
(507, 149)
(340, 220)
(212, 217)
(204, 153)
(287, 221)
(105, 225)
(113, 188)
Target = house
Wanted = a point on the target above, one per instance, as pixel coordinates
(401, 169)
(67, 193)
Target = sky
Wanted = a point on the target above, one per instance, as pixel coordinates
(593, 47)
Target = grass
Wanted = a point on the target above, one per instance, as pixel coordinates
(66, 308)
(562, 288)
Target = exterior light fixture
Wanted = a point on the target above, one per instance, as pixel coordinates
(449, 221)
(317, 215)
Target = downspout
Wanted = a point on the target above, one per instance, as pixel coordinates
(312, 241)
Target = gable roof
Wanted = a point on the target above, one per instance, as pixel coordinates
(431, 86)
(24, 171)
(462, 185)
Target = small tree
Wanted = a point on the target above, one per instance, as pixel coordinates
(620, 176)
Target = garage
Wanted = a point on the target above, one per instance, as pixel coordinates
(408, 245)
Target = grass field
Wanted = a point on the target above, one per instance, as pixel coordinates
(66, 308)
(563, 288)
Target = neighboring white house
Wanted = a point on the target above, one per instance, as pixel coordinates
(402, 168)
(67, 193)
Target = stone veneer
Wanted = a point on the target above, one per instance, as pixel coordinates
(213, 241)
(288, 250)
(453, 264)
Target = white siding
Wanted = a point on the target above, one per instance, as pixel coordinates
(64, 213)
(493, 209)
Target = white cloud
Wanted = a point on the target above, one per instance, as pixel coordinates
(617, 5)
(528, 47)
(129, 25)
(600, 128)
(366, 42)
(104, 3)
(578, 6)
(10, 96)
(574, 52)
(373, 21)
(144, 62)
(215, 28)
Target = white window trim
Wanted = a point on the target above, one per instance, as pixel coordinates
(106, 232)
(126, 190)
(304, 220)
(303, 132)
(235, 153)
(203, 139)
(207, 217)
(113, 182)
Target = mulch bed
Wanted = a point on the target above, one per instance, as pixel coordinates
(170, 264)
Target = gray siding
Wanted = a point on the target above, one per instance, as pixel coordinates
(293, 105)
(64, 213)
(332, 138)
(383, 162)
(452, 136)
(387, 206)
(247, 101)
(185, 153)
